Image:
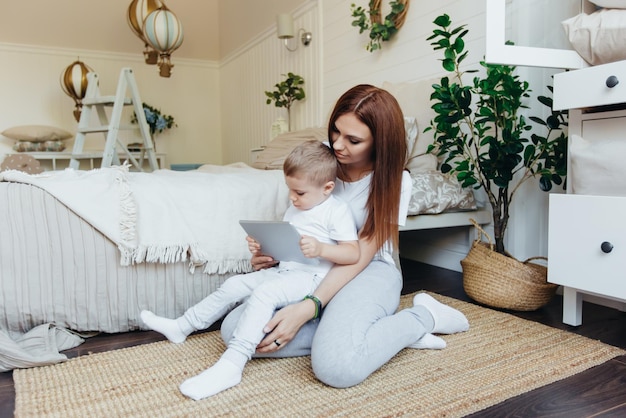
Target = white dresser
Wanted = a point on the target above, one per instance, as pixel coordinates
(587, 232)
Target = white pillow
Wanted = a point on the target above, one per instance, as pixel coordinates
(274, 154)
(597, 167)
(434, 192)
(414, 100)
(411, 129)
(417, 160)
(599, 37)
(36, 133)
(610, 4)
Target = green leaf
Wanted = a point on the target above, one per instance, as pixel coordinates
(443, 21)
(459, 45)
(448, 64)
(553, 122)
(545, 184)
(529, 154)
(538, 120)
(545, 100)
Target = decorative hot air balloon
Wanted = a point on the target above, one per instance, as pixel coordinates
(74, 84)
(164, 32)
(137, 12)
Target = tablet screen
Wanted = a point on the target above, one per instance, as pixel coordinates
(278, 239)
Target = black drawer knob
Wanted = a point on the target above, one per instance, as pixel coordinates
(612, 81)
(606, 247)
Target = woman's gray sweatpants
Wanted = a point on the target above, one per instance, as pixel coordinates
(359, 331)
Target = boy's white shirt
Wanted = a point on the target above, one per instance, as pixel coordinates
(329, 222)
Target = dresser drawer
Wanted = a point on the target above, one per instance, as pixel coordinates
(604, 126)
(588, 87)
(578, 227)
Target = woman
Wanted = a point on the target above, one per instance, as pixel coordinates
(359, 329)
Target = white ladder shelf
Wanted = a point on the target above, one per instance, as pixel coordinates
(110, 128)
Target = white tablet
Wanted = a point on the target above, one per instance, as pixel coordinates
(278, 239)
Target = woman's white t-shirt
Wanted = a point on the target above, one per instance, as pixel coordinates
(355, 195)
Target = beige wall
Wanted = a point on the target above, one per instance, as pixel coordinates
(101, 25)
(32, 95)
(255, 68)
(40, 38)
(247, 19)
(213, 28)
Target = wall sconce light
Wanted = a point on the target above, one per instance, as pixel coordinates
(137, 12)
(74, 84)
(285, 31)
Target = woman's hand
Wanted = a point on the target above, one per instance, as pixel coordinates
(285, 324)
(258, 260)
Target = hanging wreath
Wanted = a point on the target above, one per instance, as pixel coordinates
(371, 20)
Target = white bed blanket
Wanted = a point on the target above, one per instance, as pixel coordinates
(170, 216)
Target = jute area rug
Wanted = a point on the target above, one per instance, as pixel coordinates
(500, 357)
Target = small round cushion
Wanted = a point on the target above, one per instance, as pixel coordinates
(21, 162)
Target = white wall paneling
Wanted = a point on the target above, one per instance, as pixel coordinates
(407, 57)
(256, 68)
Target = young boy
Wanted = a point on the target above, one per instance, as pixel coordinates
(328, 232)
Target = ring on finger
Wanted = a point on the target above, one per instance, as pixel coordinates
(277, 343)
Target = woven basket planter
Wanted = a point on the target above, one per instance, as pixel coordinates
(502, 281)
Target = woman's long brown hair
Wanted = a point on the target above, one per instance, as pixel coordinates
(380, 111)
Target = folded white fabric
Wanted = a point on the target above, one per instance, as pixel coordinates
(170, 216)
(38, 347)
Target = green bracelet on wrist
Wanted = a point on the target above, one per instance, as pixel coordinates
(318, 305)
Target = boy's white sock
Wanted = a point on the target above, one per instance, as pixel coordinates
(221, 376)
(429, 342)
(165, 326)
(447, 319)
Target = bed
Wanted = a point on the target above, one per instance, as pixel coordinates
(75, 256)
(60, 272)
(57, 267)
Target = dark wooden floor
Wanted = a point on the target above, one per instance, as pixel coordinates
(600, 391)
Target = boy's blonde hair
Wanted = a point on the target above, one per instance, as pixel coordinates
(313, 160)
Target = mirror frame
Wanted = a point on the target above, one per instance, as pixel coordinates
(497, 52)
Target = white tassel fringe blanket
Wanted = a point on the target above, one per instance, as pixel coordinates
(169, 216)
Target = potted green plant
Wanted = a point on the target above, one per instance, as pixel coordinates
(286, 93)
(483, 136)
